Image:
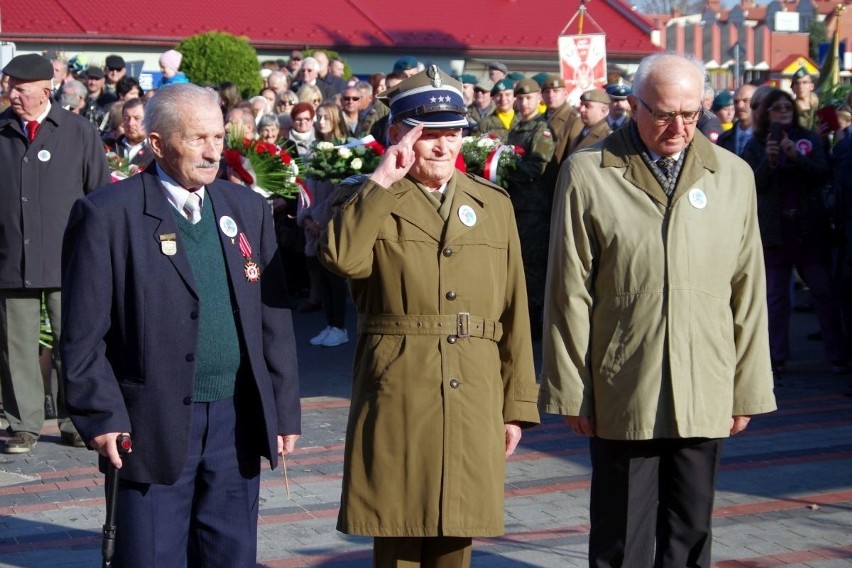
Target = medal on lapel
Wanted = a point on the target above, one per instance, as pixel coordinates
(252, 270)
(168, 244)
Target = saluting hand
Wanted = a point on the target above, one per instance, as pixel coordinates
(397, 159)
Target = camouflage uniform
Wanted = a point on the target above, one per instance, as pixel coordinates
(532, 197)
(492, 124)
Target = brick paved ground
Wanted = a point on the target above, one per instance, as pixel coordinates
(784, 499)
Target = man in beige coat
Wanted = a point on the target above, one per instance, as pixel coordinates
(443, 374)
(656, 343)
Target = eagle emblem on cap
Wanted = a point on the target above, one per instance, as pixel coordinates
(435, 75)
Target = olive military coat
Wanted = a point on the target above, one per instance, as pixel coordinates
(425, 441)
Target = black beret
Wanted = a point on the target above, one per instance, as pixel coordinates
(115, 62)
(29, 67)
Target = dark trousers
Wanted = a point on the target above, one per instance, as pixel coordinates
(208, 518)
(652, 502)
(334, 293)
(422, 552)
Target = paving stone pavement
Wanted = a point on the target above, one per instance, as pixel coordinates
(784, 495)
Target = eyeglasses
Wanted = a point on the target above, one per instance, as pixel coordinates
(115, 68)
(662, 118)
(285, 103)
(295, 58)
(781, 108)
(351, 98)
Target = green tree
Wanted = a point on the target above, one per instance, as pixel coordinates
(216, 57)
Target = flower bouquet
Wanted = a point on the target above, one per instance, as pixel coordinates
(336, 163)
(119, 168)
(487, 157)
(265, 167)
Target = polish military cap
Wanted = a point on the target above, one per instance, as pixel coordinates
(595, 96)
(504, 84)
(431, 98)
(526, 86)
(516, 76)
(552, 82)
(29, 67)
(618, 91)
(467, 79)
(722, 100)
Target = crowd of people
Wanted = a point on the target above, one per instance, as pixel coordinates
(551, 256)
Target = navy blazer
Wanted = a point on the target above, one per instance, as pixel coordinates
(130, 324)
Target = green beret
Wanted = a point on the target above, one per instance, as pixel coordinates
(516, 76)
(722, 100)
(504, 84)
(29, 67)
(467, 79)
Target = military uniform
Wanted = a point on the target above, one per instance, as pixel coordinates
(565, 124)
(532, 196)
(492, 124)
(477, 115)
(593, 135)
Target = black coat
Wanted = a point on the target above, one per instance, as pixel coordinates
(38, 186)
(130, 322)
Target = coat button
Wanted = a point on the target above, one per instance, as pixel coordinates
(452, 339)
(451, 295)
(447, 251)
(193, 315)
(187, 400)
(190, 357)
(454, 383)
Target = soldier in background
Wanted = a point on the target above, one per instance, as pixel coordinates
(562, 118)
(531, 193)
(504, 117)
(482, 105)
(619, 107)
(594, 108)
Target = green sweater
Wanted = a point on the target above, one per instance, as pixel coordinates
(217, 357)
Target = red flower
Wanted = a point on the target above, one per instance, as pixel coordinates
(519, 151)
(286, 157)
(377, 148)
(235, 161)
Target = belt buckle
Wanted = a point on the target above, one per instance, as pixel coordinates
(463, 324)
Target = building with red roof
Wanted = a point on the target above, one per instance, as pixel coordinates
(370, 34)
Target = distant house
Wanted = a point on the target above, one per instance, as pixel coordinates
(762, 39)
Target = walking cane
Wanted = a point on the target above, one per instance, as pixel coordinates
(108, 545)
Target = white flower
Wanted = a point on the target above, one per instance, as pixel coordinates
(344, 153)
(295, 167)
(486, 142)
(356, 164)
(325, 146)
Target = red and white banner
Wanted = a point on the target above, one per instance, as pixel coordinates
(582, 59)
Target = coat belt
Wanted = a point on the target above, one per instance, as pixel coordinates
(462, 325)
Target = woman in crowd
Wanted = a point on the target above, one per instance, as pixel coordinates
(268, 129)
(128, 88)
(791, 168)
(330, 127)
(310, 94)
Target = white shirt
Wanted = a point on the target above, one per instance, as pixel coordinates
(176, 194)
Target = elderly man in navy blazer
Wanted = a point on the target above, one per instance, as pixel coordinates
(177, 332)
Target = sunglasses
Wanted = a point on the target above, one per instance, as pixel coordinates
(295, 58)
(351, 98)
